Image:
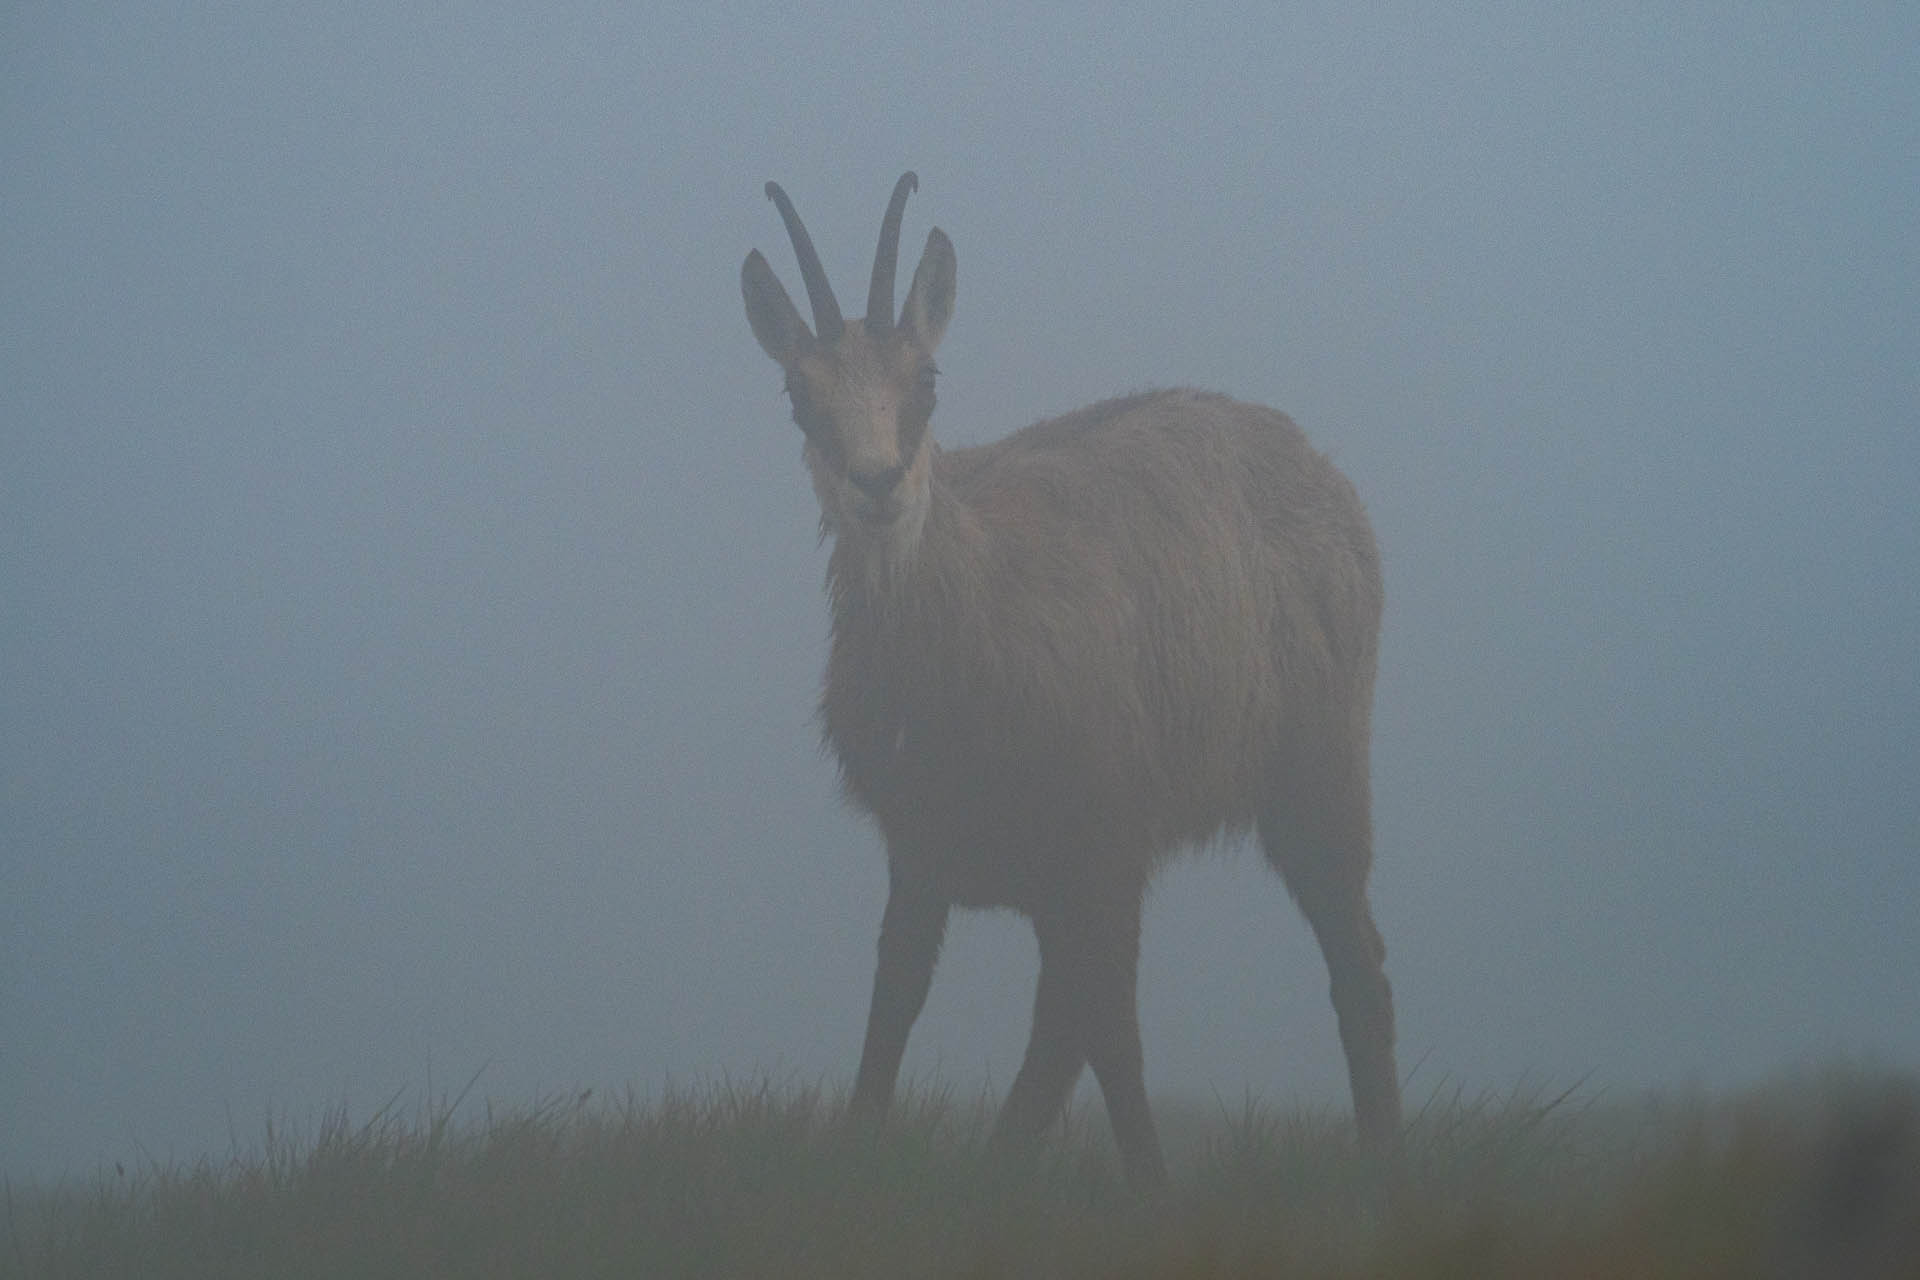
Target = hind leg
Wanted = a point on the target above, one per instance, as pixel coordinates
(1363, 1001)
(1108, 950)
(1085, 1014)
(1056, 1053)
(1323, 852)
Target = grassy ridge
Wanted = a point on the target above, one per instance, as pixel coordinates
(1818, 1176)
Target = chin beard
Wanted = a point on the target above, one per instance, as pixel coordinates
(886, 550)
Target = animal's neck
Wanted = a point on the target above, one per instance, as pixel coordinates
(877, 577)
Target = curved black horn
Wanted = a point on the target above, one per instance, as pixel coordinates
(826, 311)
(880, 292)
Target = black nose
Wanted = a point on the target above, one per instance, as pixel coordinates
(877, 484)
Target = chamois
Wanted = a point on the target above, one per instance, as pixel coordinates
(1060, 657)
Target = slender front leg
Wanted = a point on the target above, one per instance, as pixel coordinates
(910, 936)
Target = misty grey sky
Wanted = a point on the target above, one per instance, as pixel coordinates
(410, 606)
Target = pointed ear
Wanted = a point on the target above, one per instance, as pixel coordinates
(779, 328)
(929, 303)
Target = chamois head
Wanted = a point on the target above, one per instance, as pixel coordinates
(862, 390)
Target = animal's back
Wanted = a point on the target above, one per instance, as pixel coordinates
(1216, 519)
(1195, 460)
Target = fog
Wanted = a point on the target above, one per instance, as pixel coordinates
(410, 610)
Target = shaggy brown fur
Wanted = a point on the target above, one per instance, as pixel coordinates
(1058, 658)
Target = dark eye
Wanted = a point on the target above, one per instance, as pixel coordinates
(818, 430)
(804, 415)
(917, 409)
(923, 391)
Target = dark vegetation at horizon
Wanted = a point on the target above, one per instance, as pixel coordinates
(1817, 1174)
